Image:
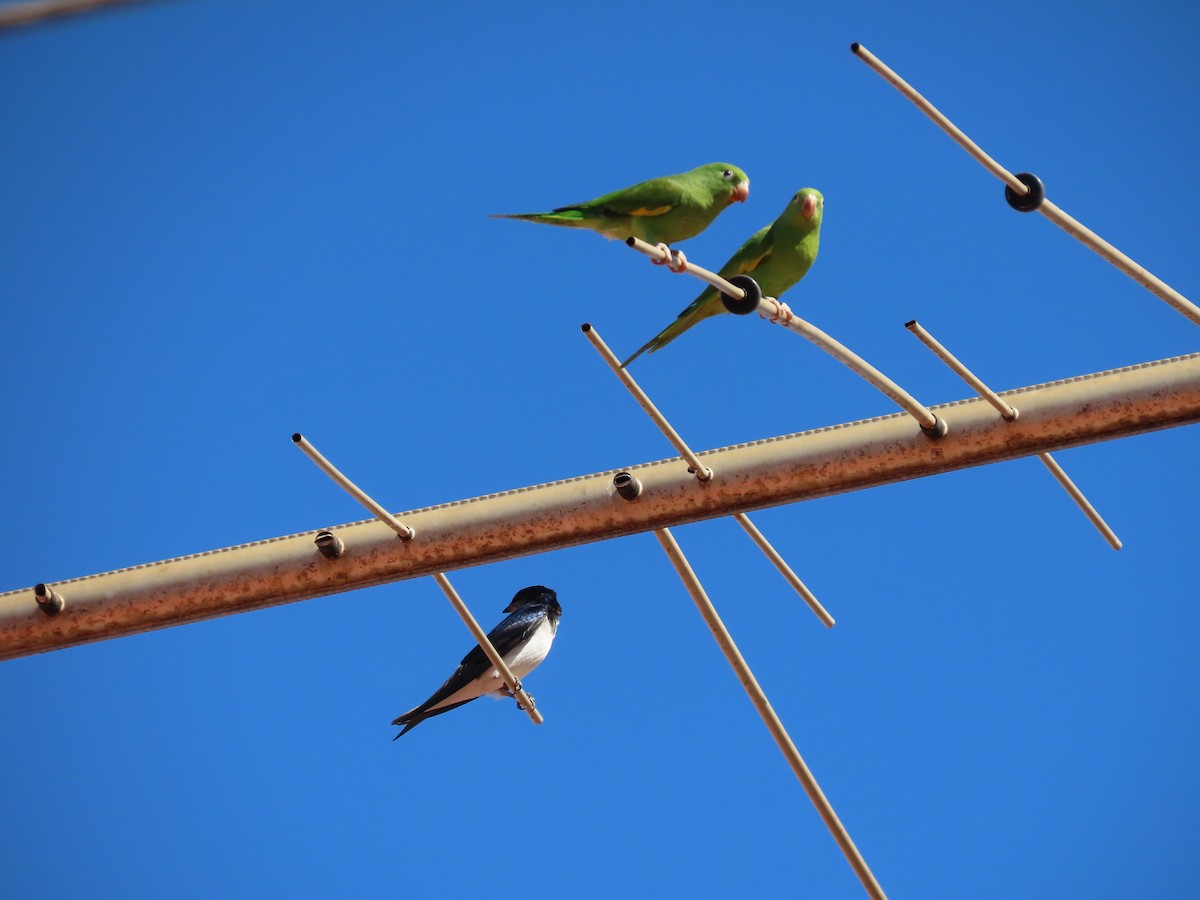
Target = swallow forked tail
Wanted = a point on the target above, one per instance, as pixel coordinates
(415, 717)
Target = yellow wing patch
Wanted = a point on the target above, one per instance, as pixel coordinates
(657, 211)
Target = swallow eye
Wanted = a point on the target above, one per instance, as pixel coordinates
(727, 174)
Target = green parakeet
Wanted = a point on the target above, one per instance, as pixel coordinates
(776, 256)
(661, 210)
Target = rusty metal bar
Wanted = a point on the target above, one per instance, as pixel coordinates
(13, 15)
(759, 698)
(764, 473)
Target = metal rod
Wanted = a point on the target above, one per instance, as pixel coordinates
(1010, 414)
(510, 680)
(769, 717)
(941, 121)
(657, 255)
(14, 14)
(702, 472)
(1084, 235)
(784, 569)
(1107, 251)
(778, 312)
(405, 533)
(1080, 500)
(528, 520)
(1007, 412)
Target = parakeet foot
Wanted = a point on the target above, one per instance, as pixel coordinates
(672, 259)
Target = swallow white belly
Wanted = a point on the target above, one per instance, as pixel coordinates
(521, 660)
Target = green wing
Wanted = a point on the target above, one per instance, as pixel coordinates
(655, 197)
(748, 258)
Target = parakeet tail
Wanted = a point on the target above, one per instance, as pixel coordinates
(571, 218)
(664, 337)
(686, 320)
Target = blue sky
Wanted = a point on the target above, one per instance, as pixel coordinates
(221, 223)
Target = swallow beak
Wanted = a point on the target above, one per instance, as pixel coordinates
(741, 192)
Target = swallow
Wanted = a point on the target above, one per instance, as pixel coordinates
(522, 640)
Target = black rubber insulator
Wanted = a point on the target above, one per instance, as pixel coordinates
(937, 430)
(747, 304)
(1031, 201)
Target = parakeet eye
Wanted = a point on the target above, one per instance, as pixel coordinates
(727, 174)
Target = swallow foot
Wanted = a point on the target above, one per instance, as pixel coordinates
(532, 702)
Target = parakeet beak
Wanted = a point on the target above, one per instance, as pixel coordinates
(809, 207)
(741, 192)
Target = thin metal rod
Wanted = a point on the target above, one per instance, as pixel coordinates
(1010, 414)
(1107, 251)
(14, 14)
(1080, 500)
(406, 533)
(657, 254)
(941, 121)
(779, 313)
(702, 472)
(769, 717)
(510, 680)
(776, 311)
(536, 519)
(784, 569)
(1084, 235)
(757, 536)
(1007, 412)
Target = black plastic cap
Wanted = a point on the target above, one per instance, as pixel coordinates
(627, 486)
(1031, 201)
(48, 601)
(329, 544)
(747, 304)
